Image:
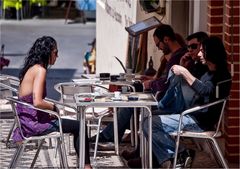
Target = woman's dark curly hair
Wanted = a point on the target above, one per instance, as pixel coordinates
(39, 53)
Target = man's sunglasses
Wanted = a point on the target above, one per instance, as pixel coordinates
(193, 46)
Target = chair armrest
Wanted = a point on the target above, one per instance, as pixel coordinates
(9, 87)
(60, 103)
(15, 100)
(194, 109)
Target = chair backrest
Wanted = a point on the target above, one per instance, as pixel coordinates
(15, 101)
(8, 86)
(68, 89)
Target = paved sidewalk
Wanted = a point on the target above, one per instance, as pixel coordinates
(47, 157)
(105, 159)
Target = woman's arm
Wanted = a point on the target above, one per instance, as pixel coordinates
(39, 89)
(180, 70)
(203, 87)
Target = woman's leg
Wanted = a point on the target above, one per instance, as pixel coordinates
(72, 126)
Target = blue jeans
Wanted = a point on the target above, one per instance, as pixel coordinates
(124, 116)
(71, 126)
(163, 145)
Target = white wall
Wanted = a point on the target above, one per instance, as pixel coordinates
(200, 16)
(114, 15)
(112, 18)
(112, 38)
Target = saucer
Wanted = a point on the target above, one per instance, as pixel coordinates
(116, 98)
(121, 79)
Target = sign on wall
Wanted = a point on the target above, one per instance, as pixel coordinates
(112, 38)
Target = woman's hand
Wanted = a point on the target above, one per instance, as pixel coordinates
(178, 70)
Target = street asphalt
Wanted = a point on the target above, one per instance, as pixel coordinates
(72, 39)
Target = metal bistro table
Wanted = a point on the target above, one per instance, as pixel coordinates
(145, 100)
(96, 80)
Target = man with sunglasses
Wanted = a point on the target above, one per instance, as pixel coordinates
(191, 59)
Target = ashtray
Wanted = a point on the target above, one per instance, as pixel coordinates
(85, 99)
(132, 97)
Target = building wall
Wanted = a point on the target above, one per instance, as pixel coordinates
(111, 37)
(223, 21)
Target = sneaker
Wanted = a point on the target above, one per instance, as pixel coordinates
(185, 159)
(127, 155)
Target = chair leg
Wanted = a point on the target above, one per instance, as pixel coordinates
(69, 144)
(36, 155)
(62, 153)
(132, 131)
(176, 151)
(4, 13)
(16, 156)
(97, 138)
(10, 133)
(215, 144)
(89, 128)
(17, 14)
(21, 11)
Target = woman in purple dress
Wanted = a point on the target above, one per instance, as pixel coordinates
(32, 89)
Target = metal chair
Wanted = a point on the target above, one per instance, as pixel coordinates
(67, 91)
(41, 138)
(210, 136)
(9, 88)
(17, 4)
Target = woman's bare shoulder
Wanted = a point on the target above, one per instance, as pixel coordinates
(39, 68)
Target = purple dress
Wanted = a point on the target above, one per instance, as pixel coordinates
(33, 122)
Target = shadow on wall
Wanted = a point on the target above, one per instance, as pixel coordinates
(54, 76)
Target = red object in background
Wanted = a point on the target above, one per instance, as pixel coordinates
(4, 62)
(113, 88)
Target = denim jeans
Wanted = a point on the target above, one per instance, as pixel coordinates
(71, 126)
(163, 145)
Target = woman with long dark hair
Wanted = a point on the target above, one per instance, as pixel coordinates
(32, 89)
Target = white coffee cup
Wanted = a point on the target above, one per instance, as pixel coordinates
(117, 94)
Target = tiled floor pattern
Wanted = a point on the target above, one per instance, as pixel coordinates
(47, 157)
